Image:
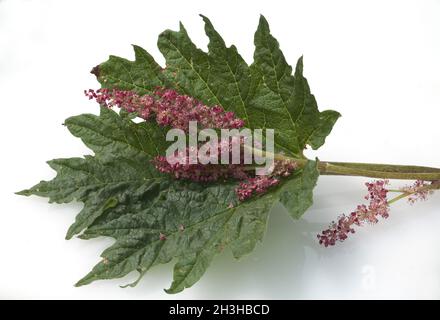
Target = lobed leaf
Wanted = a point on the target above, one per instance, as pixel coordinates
(155, 219)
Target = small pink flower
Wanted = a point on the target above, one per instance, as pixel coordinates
(252, 186)
(418, 191)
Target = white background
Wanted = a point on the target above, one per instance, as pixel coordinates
(377, 62)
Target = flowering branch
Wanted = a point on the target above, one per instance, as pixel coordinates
(155, 219)
(378, 207)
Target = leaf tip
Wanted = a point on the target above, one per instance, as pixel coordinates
(172, 290)
(79, 284)
(263, 22)
(137, 48)
(25, 192)
(207, 21)
(300, 65)
(86, 280)
(68, 235)
(208, 24)
(181, 27)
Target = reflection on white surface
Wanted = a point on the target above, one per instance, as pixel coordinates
(376, 62)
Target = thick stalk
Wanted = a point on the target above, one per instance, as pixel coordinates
(380, 171)
(371, 170)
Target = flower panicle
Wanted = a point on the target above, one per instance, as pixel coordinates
(199, 172)
(181, 168)
(378, 207)
(260, 184)
(254, 186)
(169, 108)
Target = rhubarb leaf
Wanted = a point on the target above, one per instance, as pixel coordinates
(155, 219)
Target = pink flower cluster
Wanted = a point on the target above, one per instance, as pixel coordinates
(260, 184)
(378, 206)
(257, 185)
(199, 172)
(417, 191)
(169, 107)
(248, 186)
(377, 194)
(180, 166)
(283, 168)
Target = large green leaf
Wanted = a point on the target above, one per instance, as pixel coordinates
(154, 218)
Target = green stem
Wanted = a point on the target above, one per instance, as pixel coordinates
(381, 171)
(371, 170)
(400, 196)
